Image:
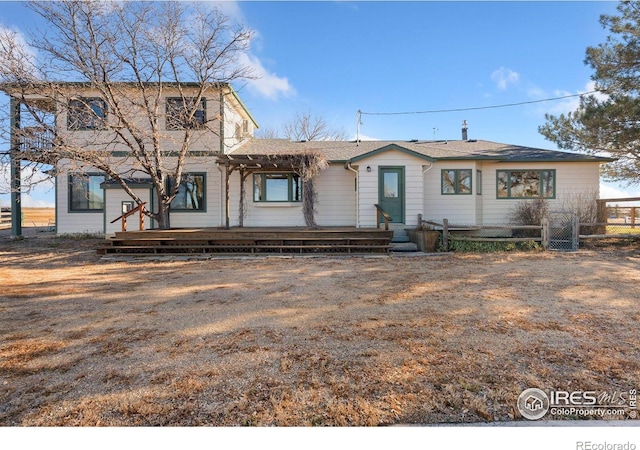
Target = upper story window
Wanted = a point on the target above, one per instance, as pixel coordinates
(191, 193)
(85, 193)
(456, 181)
(88, 113)
(277, 187)
(179, 112)
(526, 183)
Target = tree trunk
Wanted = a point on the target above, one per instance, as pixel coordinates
(163, 217)
(308, 204)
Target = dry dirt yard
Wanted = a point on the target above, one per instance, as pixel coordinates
(314, 341)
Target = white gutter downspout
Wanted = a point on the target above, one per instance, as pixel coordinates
(348, 167)
(423, 184)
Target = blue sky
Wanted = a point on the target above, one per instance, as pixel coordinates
(335, 58)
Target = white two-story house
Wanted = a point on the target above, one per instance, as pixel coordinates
(228, 179)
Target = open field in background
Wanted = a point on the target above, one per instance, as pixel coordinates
(33, 217)
(317, 341)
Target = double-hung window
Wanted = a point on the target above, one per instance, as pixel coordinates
(277, 187)
(186, 113)
(86, 114)
(456, 181)
(85, 193)
(191, 193)
(526, 183)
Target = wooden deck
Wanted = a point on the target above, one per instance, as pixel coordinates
(288, 240)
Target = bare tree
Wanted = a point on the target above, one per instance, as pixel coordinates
(130, 54)
(305, 127)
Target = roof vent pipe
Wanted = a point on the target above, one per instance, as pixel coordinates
(464, 130)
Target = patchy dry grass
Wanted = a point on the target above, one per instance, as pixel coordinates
(308, 342)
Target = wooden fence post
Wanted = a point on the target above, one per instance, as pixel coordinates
(445, 233)
(545, 233)
(602, 217)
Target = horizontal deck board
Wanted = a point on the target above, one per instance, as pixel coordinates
(249, 240)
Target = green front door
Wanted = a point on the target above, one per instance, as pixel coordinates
(391, 192)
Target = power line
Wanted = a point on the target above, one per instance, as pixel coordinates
(433, 111)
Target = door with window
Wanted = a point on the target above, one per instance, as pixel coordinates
(391, 192)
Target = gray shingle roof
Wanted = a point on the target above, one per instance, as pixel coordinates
(345, 151)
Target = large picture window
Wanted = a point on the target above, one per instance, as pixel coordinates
(277, 187)
(191, 193)
(526, 183)
(179, 110)
(85, 193)
(456, 181)
(86, 114)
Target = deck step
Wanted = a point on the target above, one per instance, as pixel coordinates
(403, 247)
(247, 241)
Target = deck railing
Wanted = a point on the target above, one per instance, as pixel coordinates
(5, 218)
(381, 213)
(491, 233)
(35, 138)
(123, 217)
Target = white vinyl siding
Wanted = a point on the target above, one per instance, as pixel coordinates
(114, 198)
(457, 208)
(336, 201)
(74, 222)
(368, 195)
(571, 178)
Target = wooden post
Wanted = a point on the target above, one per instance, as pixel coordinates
(227, 202)
(243, 176)
(545, 233)
(602, 217)
(377, 218)
(633, 217)
(575, 233)
(15, 169)
(124, 223)
(445, 233)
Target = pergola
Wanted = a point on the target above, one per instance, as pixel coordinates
(248, 164)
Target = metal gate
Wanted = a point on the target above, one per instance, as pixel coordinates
(563, 231)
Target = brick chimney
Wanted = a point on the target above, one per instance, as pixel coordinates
(464, 130)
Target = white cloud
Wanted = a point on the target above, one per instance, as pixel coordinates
(266, 84)
(17, 58)
(617, 191)
(363, 137)
(39, 188)
(229, 8)
(504, 77)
